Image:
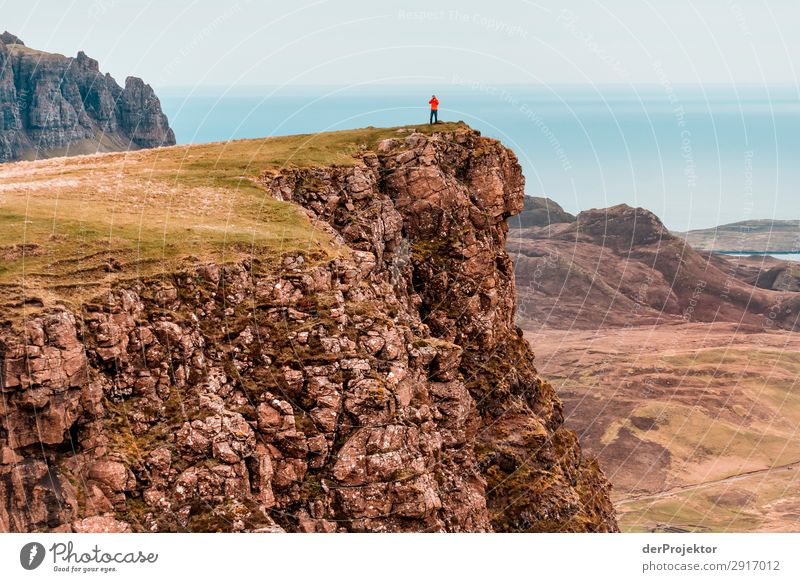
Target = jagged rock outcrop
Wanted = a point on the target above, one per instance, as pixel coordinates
(9, 38)
(540, 211)
(386, 389)
(51, 105)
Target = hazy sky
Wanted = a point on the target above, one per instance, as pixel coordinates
(249, 42)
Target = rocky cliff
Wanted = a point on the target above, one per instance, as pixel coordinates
(383, 389)
(51, 105)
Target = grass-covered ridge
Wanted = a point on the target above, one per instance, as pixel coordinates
(70, 226)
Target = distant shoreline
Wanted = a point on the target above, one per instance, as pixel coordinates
(746, 252)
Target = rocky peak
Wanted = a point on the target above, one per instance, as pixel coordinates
(621, 226)
(140, 113)
(87, 63)
(51, 105)
(8, 38)
(539, 211)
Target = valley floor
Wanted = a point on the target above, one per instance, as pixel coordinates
(695, 424)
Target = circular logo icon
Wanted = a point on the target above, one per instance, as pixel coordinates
(31, 555)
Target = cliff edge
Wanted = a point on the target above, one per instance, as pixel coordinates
(370, 378)
(52, 105)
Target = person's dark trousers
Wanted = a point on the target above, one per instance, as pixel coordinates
(434, 115)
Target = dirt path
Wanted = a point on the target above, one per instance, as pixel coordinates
(694, 486)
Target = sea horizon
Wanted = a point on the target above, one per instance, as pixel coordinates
(696, 155)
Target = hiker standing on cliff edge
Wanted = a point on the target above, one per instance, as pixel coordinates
(434, 103)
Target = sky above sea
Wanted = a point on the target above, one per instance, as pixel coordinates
(697, 156)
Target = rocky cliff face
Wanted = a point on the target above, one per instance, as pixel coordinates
(51, 105)
(384, 390)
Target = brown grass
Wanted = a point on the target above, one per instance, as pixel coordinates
(685, 420)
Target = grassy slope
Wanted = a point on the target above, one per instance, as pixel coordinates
(713, 444)
(63, 221)
(722, 404)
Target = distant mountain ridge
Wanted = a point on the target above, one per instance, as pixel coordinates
(621, 266)
(52, 105)
(655, 347)
(757, 236)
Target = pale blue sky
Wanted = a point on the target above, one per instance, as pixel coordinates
(250, 42)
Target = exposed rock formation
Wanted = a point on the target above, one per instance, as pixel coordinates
(385, 390)
(538, 211)
(51, 105)
(9, 38)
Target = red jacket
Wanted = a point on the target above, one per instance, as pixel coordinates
(434, 103)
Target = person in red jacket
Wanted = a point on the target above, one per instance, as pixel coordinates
(434, 103)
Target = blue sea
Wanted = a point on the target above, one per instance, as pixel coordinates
(697, 156)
